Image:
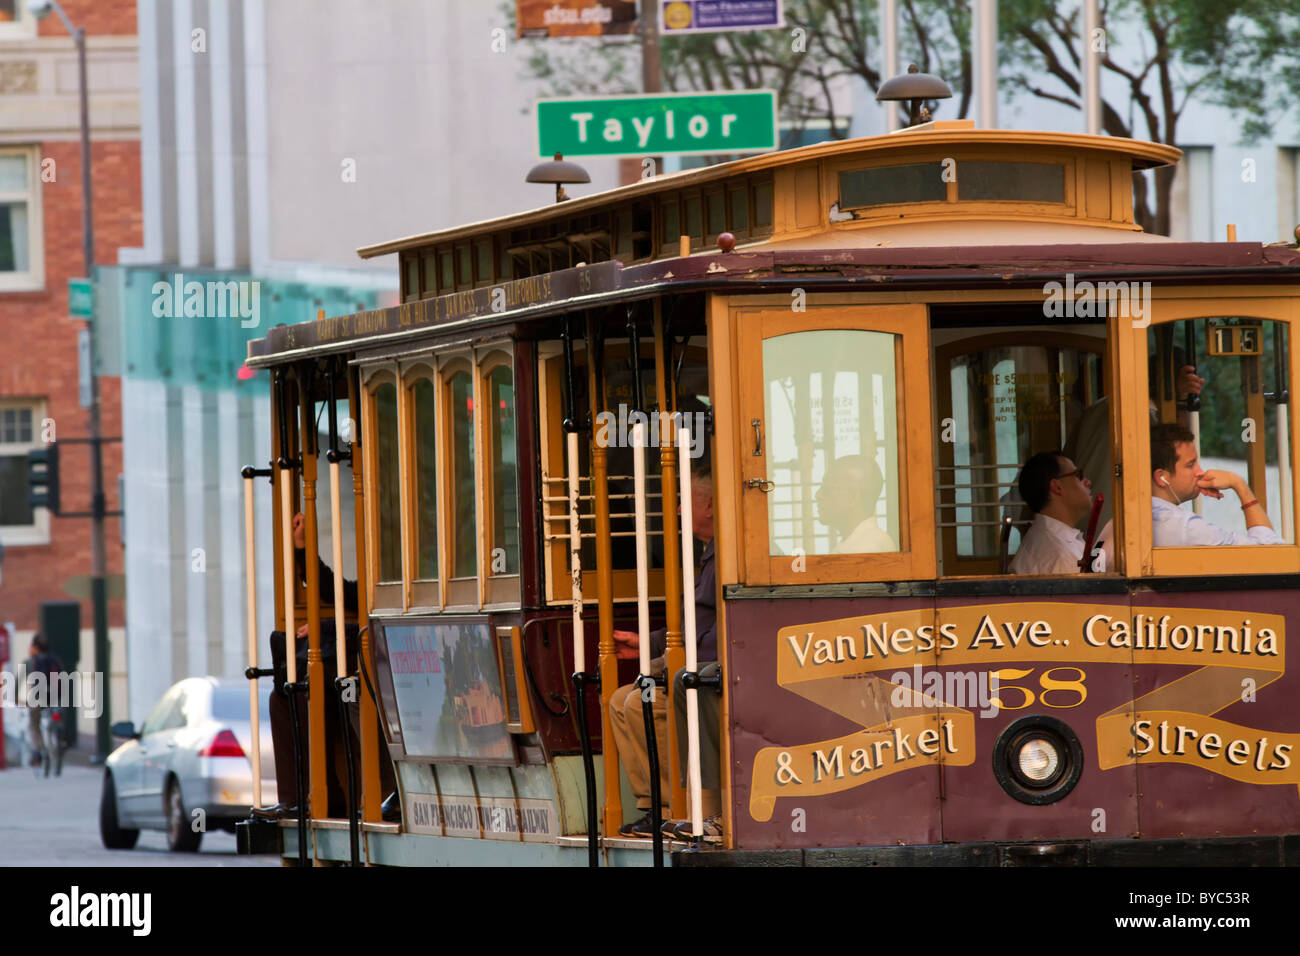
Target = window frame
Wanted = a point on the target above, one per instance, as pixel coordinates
(33, 279)
(459, 593)
(384, 596)
(758, 319)
(1144, 559)
(421, 593)
(497, 588)
(38, 532)
(977, 342)
(1072, 209)
(22, 27)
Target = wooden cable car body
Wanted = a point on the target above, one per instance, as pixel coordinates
(935, 304)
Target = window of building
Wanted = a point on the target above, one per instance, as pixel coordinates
(16, 19)
(20, 424)
(21, 247)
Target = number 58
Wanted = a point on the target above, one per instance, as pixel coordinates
(1049, 685)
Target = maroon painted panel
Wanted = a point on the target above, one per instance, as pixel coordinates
(1179, 800)
(1103, 804)
(902, 808)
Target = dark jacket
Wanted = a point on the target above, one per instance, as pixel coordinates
(706, 637)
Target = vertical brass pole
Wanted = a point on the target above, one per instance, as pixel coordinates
(675, 651)
(315, 663)
(372, 796)
(607, 659)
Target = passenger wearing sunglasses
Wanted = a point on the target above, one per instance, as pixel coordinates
(1060, 498)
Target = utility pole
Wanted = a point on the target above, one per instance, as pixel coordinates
(98, 559)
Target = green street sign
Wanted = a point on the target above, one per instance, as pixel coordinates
(656, 124)
(81, 298)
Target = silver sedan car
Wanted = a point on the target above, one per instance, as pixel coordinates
(187, 769)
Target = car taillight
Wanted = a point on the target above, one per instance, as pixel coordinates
(223, 744)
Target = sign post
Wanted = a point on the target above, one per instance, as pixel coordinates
(658, 124)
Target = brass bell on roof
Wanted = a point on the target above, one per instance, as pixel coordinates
(558, 171)
(916, 87)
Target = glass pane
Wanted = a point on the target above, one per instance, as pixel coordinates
(763, 205)
(915, 182)
(412, 276)
(1008, 404)
(483, 260)
(739, 210)
(430, 266)
(14, 509)
(426, 480)
(446, 280)
(671, 223)
(1027, 182)
(832, 442)
(694, 220)
(13, 169)
(390, 529)
(505, 495)
(1243, 364)
(13, 237)
(464, 562)
(463, 275)
(717, 214)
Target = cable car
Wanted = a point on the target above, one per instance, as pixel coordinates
(867, 342)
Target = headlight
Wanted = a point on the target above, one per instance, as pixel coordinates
(1037, 759)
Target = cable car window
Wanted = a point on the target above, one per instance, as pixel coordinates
(694, 218)
(739, 210)
(390, 529)
(763, 206)
(1024, 182)
(717, 213)
(883, 185)
(832, 442)
(461, 412)
(505, 495)
(1234, 371)
(424, 399)
(1006, 402)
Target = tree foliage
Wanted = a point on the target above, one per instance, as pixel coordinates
(1158, 55)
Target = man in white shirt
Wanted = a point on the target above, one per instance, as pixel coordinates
(1177, 477)
(846, 503)
(1060, 497)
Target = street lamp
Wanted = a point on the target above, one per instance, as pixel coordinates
(40, 9)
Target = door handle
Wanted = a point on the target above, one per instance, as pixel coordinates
(761, 484)
(757, 423)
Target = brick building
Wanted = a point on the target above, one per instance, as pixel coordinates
(40, 249)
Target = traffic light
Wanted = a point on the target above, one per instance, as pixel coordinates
(43, 478)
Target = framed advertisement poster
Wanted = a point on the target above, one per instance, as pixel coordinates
(440, 690)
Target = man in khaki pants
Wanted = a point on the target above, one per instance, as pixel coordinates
(625, 714)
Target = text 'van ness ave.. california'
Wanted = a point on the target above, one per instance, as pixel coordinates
(1143, 632)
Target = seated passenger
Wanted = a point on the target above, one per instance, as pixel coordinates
(1177, 477)
(1060, 497)
(846, 503)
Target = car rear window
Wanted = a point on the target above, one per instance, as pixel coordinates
(231, 703)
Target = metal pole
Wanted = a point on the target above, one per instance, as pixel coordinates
(250, 564)
(889, 47)
(984, 29)
(98, 558)
(688, 608)
(1091, 71)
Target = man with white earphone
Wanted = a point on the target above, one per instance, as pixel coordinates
(1177, 477)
